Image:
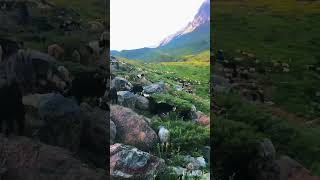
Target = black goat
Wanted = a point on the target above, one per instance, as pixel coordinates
(88, 84)
(137, 89)
(159, 108)
(11, 108)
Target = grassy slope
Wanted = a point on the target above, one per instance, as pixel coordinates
(273, 30)
(186, 137)
(194, 69)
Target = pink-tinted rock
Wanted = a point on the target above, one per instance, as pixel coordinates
(203, 119)
(129, 162)
(25, 159)
(133, 129)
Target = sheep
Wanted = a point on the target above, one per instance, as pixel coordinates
(11, 107)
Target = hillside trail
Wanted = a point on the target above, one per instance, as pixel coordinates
(283, 114)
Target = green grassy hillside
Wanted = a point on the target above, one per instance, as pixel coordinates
(287, 32)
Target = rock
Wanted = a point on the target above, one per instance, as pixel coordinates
(206, 151)
(221, 84)
(62, 121)
(26, 159)
(292, 170)
(154, 88)
(264, 166)
(197, 163)
(121, 84)
(267, 150)
(202, 119)
(126, 99)
(32, 100)
(94, 135)
(133, 129)
(113, 132)
(127, 162)
(82, 130)
(142, 103)
(285, 69)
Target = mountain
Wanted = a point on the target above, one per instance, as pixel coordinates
(201, 18)
(194, 38)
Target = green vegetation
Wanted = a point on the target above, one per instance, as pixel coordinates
(186, 137)
(284, 31)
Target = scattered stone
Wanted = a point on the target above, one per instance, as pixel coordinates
(202, 119)
(154, 88)
(129, 162)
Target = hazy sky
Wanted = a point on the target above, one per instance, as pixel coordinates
(143, 23)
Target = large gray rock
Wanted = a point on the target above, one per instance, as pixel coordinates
(264, 166)
(142, 103)
(127, 162)
(24, 159)
(154, 88)
(82, 130)
(126, 99)
(120, 84)
(133, 129)
(63, 121)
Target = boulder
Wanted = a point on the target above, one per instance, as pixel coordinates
(142, 103)
(292, 170)
(154, 88)
(81, 129)
(197, 162)
(133, 129)
(264, 166)
(127, 162)
(120, 84)
(25, 159)
(62, 121)
(126, 99)
(94, 135)
(202, 119)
